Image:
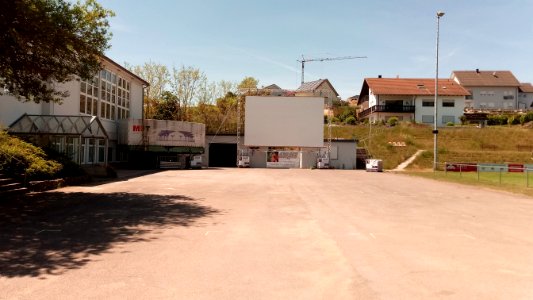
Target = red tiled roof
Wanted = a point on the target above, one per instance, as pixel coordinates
(486, 78)
(526, 88)
(415, 87)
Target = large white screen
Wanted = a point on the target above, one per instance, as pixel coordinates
(284, 121)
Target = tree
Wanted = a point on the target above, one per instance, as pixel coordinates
(167, 108)
(44, 42)
(155, 74)
(248, 83)
(184, 83)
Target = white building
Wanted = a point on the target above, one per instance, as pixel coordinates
(85, 125)
(411, 99)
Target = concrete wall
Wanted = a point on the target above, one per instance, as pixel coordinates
(525, 100)
(346, 155)
(492, 97)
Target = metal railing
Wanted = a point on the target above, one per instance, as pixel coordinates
(501, 174)
(387, 108)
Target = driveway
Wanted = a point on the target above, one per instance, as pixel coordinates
(268, 234)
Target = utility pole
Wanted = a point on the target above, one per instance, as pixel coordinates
(304, 60)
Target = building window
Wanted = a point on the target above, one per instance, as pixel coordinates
(428, 103)
(508, 95)
(448, 103)
(448, 119)
(106, 96)
(428, 119)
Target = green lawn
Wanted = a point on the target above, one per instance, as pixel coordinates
(512, 182)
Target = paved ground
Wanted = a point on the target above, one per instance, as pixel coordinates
(268, 234)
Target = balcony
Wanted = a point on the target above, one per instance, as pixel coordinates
(387, 108)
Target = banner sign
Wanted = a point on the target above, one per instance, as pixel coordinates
(283, 159)
(461, 167)
(493, 167)
(516, 168)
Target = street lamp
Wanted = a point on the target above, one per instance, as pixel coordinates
(435, 103)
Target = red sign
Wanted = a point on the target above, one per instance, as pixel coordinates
(137, 128)
(460, 167)
(516, 168)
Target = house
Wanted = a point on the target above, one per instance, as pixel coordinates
(525, 96)
(318, 88)
(85, 125)
(273, 90)
(489, 89)
(411, 99)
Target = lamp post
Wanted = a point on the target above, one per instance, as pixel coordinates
(435, 104)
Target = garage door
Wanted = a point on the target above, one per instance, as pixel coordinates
(222, 155)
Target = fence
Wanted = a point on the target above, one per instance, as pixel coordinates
(502, 174)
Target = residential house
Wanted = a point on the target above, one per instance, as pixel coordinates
(411, 100)
(85, 125)
(318, 88)
(489, 89)
(525, 96)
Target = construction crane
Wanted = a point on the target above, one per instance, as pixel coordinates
(330, 104)
(304, 60)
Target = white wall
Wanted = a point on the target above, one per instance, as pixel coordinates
(284, 121)
(456, 111)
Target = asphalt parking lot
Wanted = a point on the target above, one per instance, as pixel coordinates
(268, 234)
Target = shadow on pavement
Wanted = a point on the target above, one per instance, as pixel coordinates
(50, 233)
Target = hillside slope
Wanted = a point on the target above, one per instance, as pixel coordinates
(466, 144)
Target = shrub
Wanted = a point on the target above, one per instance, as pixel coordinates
(392, 121)
(22, 159)
(450, 124)
(497, 120)
(350, 120)
(513, 120)
(463, 119)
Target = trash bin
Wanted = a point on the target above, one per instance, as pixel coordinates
(374, 165)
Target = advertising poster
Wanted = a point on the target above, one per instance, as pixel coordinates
(283, 159)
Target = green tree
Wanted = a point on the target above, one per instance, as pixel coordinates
(43, 42)
(168, 108)
(248, 83)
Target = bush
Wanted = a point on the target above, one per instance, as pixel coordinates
(350, 120)
(392, 121)
(22, 159)
(450, 124)
(513, 120)
(526, 118)
(463, 119)
(497, 120)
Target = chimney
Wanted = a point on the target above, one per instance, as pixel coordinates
(477, 71)
(379, 76)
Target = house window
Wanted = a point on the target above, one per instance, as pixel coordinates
(428, 103)
(448, 103)
(448, 119)
(508, 95)
(428, 119)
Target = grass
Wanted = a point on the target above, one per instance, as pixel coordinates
(465, 144)
(511, 182)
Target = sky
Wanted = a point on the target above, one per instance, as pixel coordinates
(232, 39)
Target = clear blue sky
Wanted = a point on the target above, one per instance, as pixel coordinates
(231, 39)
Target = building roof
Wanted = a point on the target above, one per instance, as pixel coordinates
(144, 82)
(486, 78)
(272, 87)
(312, 86)
(526, 88)
(411, 86)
